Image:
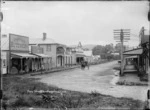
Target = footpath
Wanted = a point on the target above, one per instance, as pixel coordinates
(63, 68)
(42, 72)
(129, 78)
(54, 70)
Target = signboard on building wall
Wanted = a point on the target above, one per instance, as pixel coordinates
(36, 49)
(18, 42)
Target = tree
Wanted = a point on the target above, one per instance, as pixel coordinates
(118, 47)
(103, 51)
(97, 50)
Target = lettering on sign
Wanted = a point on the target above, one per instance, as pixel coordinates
(18, 42)
(36, 49)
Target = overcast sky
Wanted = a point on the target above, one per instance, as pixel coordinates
(68, 23)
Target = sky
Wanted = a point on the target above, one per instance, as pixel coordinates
(68, 22)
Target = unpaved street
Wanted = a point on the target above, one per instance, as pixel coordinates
(98, 78)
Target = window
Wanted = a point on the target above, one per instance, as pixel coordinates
(48, 48)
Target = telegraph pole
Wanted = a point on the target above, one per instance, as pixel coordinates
(122, 35)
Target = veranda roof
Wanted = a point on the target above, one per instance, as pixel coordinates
(138, 51)
(22, 55)
(80, 55)
(135, 56)
(42, 55)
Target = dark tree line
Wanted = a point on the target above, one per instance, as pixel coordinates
(106, 52)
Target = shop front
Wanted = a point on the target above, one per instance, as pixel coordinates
(132, 60)
(22, 62)
(43, 62)
(79, 57)
(19, 59)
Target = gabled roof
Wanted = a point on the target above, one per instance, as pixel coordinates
(41, 41)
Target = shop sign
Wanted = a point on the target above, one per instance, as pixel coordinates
(19, 43)
(36, 49)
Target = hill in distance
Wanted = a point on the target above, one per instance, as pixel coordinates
(88, 46)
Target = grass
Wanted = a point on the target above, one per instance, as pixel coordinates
(131, 83)
(16, 96)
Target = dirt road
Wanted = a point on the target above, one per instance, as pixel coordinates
(98, 78)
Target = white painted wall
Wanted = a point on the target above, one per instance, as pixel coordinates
(51, 53)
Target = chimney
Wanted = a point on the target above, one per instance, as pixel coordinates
(44, 36)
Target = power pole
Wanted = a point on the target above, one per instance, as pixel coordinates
(122, 35)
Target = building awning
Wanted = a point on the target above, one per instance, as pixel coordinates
(135, 56)
(22, 55)
(134, 52)
(42, 55)
(80, 55)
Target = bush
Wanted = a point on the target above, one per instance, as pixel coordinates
(131, 83)
(95, 93)
(15, 91)
(21, 101)
(70, 101)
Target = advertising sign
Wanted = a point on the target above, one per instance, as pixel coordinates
(19, 43)
(36, 49)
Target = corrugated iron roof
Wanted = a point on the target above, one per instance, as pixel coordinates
(24, 55)
(80, 54)
(41, 41)
(138, 51)
(42, 55)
